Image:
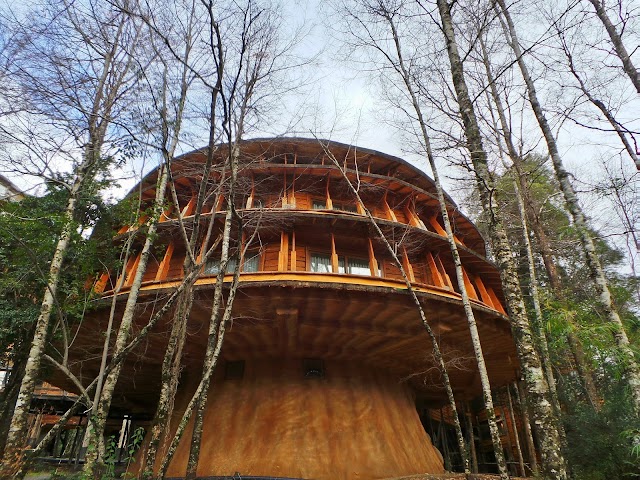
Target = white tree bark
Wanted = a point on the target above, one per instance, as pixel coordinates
(537, 389)
(627, 357)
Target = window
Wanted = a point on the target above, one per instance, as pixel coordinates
(319, 204)
(234, 370)
(251, 262)
(321, 263)
(353, 266)
(313, 368)
(212, 267)
(345, 207)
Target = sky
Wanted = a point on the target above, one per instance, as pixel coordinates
(342, 102)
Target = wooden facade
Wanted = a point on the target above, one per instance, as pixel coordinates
(331, 352)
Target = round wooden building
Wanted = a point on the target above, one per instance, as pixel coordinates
(325, 359)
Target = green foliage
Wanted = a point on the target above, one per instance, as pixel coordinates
(29, 232)
(604, 445)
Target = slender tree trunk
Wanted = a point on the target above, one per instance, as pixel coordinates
(466, 302)
(537, 323)
(632, 371)
(94, 462)
(9, 394)
(621, 51)
(599, 104)
(537, 388)
(437, 353)
(16, 436)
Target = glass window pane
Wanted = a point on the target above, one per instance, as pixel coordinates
(359, 266)
(345, 207)
(251, 264)
(320, 263)
(212, 267)
(341, 265)
(319, 205)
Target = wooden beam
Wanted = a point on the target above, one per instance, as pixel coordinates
(444, 273)
(163, 268)
(293, 252)
(435, 272)
(390, 214)
(334, 255)
(406, 264)
(471, 291)
(329, 203)
(484, 295)
(132, 272)
(373, 263)
(190, 207)
(283, 255)
(497, 305)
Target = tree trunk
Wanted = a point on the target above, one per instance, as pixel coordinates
(537, 388)
(15, 439)
(621, 51)
(629, 363)
(468, 310)
(437, 353)
(94, 462)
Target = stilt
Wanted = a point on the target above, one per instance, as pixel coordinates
(515, 432)
(472, 439)
(533, 460)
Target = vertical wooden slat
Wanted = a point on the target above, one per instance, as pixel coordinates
(373, 263)
(293, 252)
(163, 268)
(334, 255)
(283, 255)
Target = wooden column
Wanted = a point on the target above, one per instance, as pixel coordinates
(390, 214)
(471, 291)
(435, 272)
(373, 263)
(293, 252)
(515, 433)
(328, 202)
(283, 255)
(163, 268)
(406, 264)
(472, 438)
(334, 255)
(484, 294)
(531, 448)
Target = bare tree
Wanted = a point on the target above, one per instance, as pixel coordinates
(618, 44)
(627, 356)
(537, 389)
(79, 90)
